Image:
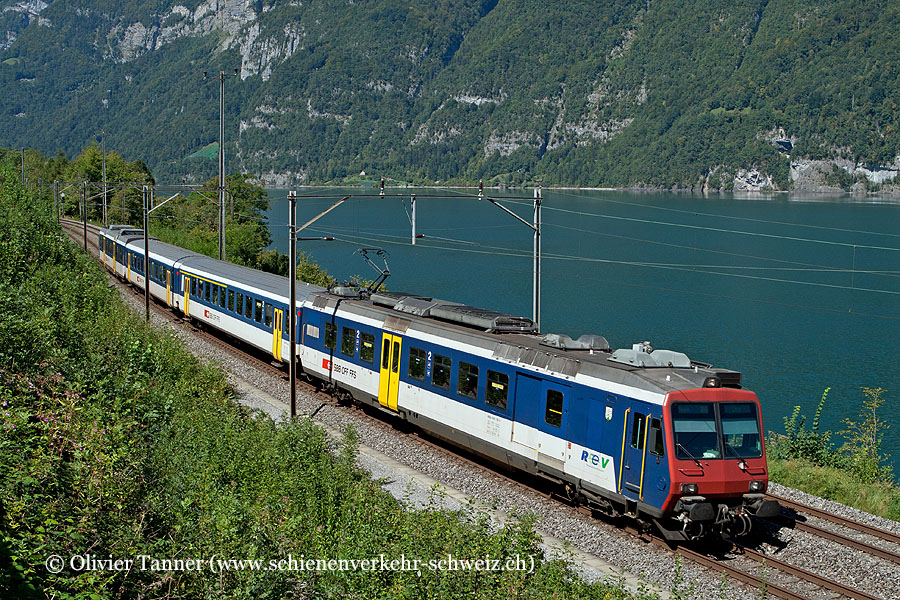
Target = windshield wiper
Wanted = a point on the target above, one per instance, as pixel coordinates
(678, 445)
(742, 464)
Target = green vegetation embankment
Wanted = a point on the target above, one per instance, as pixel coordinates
(115, 442)
(847, 466)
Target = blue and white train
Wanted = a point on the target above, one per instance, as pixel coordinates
(640, 432)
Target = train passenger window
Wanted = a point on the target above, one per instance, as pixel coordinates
(367, 347)
(258, 312)
(655, 436)
(248, 308)
(637, 430)
(497, 389)
(330, 335)
(230, 300)
(221, 296)
(193, 287)
(239, 305)
(270, 310)
(467, 380)
(215, 294)
(207, 287)
(553, 412)
(417, 360)
(200, 289)
(440, 378)
(348, 341)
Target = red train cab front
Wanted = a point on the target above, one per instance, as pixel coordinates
(718, 467)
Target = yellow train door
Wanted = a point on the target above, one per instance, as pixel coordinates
(187, 294)
(389, 378)
(168, 287)
(276, 334)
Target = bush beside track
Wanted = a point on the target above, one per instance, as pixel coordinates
(114, 441)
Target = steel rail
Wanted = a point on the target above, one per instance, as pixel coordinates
(842, 521)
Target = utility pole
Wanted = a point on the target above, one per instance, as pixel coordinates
(56, 198)
(292, 276)
(412, 210)
(221, 165)
(536, 303)
(23, 167)
(103, 150)
(146, 195)
(535, 226)
(222, 77)
(292, 309)
(84, 210)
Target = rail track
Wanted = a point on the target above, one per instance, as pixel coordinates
(719, 561)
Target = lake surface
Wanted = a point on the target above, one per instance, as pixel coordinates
(797, 293)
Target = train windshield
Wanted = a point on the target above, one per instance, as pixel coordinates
(740, 429)
(716, 430)
(694, 424)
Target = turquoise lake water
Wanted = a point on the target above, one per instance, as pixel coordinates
(797, 293)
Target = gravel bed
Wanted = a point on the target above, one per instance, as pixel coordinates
(652, 564)
(835, 508)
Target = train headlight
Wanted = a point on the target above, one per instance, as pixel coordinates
(689, 489)
(712, 382)
(757, 486)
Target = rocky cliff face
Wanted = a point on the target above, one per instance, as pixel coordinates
(16, 17)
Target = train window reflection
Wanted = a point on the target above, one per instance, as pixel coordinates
(367, 347)
(467, 380)
(655, 438)
(348, 341)
(497, 389)
(554, 408)
(417, 362)
(694, 424)
(637, 431)
(330, 335)
(441, 376)
(740, 428)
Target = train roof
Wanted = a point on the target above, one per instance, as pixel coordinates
(276, 285)
(162, 249)
(641, 367)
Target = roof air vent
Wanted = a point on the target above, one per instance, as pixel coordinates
(643, 355)
(585, 342)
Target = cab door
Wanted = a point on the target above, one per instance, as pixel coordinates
(389, 378)
(634, 448)
(277, 328)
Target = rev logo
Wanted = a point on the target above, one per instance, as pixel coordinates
(594, 459)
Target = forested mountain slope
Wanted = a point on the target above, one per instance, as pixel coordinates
(773, 93)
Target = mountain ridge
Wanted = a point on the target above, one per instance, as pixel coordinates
(775, 94)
